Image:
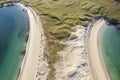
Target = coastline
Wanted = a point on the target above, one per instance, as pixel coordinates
(34, 54)
(94, 51)
(100, 32)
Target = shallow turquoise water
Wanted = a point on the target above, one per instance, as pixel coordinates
(13, 28)
(111, 51)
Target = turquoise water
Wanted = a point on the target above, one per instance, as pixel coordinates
(13, 28)
(111, 51)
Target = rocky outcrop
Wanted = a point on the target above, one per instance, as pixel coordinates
(114, 22)
(118, 26)
(6, 4)
(117, 0)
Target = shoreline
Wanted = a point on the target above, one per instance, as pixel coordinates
(34, 49)
(95, 55)
(101, 54)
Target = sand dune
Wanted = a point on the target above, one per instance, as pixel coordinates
(74, 63)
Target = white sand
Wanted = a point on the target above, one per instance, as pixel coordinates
(95, 55)
(74, 64)
(34, 65)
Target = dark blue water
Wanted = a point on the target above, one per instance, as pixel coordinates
(111, 51)
(13, 30)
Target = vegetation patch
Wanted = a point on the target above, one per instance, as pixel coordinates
(59, 16)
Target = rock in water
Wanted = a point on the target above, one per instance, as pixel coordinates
(118, 26)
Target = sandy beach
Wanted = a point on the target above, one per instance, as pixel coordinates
(74, 63)
(94, 52)
(34, 65)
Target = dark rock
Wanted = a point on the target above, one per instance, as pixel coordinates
(118, 26)
(83, 64)
(117, 0)
(72, 75)
(23, 52)
(84, 19)
(113, 21)
(27, 37)
(1, 5)
(78, 66)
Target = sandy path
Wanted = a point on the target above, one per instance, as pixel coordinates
(95, 55)
(34, 60)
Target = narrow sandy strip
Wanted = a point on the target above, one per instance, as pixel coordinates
(94, 51)
(34, 66)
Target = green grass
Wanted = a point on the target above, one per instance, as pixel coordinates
(53, 46)
(1, 1)
(59, 16)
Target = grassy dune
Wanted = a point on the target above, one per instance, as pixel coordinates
(1, 1)
(59, 16)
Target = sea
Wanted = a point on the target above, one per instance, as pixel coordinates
(13, 31)
(110, 45)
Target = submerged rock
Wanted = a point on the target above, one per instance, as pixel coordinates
(118, 27)
(117, 0)
(1, 5)
(114, 22)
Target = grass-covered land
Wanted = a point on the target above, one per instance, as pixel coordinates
(1, 1)
(59, 16)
